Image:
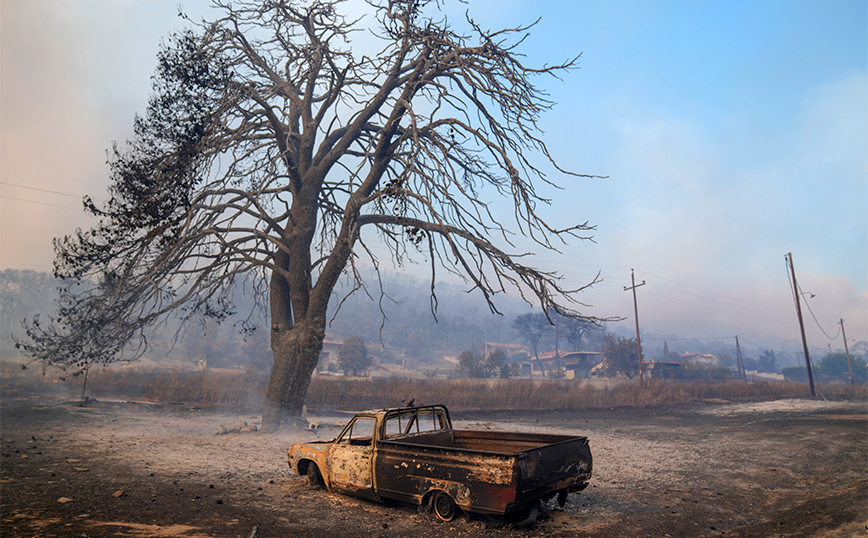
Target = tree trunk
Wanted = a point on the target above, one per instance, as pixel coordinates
(296, 353)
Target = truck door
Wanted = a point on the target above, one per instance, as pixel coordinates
(350, 459)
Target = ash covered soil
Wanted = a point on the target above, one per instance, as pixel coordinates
(780, 468)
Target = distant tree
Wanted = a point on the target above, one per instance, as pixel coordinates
(834, 367)
(512, 369)
(256, 351)
(471, 365)
(767, 362)
(531, 329)
(859, 349)
(669, 355)
(353, 356)
(567, 333)
(23, 294)
(579, 331)
(620, 355)
(495, 363)
(725, 359)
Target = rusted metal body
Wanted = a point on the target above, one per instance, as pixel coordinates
(411, 453)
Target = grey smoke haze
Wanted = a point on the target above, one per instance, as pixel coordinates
(717, 168)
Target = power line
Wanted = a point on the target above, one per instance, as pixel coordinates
(751, 343)
(817, 321)
(728, 298)
(41, 190)
(688, 339)
(40, 203)
(725, 311)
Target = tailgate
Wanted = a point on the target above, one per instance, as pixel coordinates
(566, 464)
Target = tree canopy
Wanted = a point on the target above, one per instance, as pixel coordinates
(834, 366)
(270, 143)
(620, 356)
(353, 357)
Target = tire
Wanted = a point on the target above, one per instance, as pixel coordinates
(529, 517)
(314, 479)
(444, 506)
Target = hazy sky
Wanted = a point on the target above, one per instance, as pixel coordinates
(731, 133)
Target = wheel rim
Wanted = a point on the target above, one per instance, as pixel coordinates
(444, 506)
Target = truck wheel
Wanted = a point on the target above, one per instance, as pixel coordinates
(314, 479)
(444, 506)
(530, 517)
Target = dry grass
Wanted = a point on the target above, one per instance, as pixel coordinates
(532, 394)
(201, 387)
(246, 389)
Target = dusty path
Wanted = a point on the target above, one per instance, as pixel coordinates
(785, 468)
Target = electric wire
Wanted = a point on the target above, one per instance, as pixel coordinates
(725, 311)
(40, 203)
(818, 322)
(40, 190)
(709, 292)
(706, 295)
(797, 292)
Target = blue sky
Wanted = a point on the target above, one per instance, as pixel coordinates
(731, 133)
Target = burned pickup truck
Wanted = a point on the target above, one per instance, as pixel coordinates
(412, 454)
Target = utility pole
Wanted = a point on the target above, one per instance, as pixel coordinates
(636, 313)
(801, 323)
(847, 351)
(739, 362)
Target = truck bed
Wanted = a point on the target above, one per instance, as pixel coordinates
(484, 471)
(484, 440)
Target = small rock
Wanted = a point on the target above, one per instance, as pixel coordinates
(119, 493)
(64, 500)
(80, 469)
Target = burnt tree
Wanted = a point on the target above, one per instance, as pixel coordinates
(268, 146)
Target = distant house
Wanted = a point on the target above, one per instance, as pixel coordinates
(665, 370)
(512, 350)
(706, 359)
(328, 357)
(577, 364)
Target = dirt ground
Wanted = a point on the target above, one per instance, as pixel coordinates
(782, 468)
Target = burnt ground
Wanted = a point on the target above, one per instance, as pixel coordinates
(784, 468)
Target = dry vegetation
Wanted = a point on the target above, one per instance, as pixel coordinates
(245, 389)
(705, 469)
